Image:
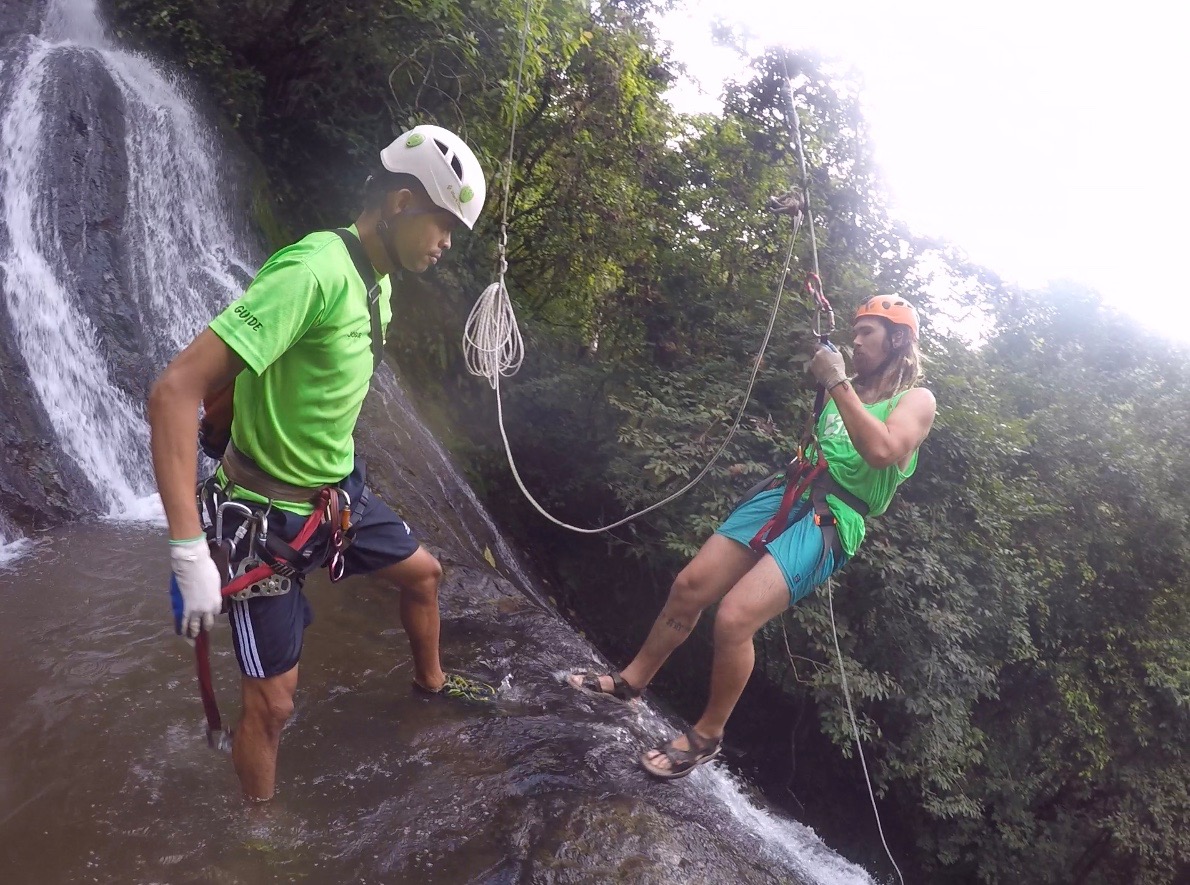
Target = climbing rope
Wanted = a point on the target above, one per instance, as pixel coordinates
(830, 598)
(768, 332)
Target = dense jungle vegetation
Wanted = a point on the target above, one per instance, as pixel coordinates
(1016, 629)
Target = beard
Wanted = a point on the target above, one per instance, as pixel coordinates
(868, 365)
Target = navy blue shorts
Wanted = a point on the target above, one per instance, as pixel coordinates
(267, 630)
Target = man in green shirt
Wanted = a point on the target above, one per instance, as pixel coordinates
(299, 346)
(869, 434)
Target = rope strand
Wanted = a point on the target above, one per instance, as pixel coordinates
(494, 379)
(830, 597)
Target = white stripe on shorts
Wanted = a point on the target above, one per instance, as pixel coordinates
(249, 654)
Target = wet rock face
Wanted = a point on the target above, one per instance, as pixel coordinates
(86, 196)
(39, 485)
(18, 18)
(83, 197)
(35, 487)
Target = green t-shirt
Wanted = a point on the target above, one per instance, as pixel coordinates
(853, 473)
(304, 332)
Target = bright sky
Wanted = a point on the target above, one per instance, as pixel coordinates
(1045, 138)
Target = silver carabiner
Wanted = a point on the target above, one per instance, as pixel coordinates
(819, 331)
(234, 505)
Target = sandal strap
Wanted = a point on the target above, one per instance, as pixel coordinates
(620, 688)
(701, 745)
(701, 749)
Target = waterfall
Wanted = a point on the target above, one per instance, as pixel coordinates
(177, 262)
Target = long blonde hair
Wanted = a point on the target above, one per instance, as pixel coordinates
(903, 371)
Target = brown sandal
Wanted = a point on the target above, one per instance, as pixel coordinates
(621, 690)
(682, 762)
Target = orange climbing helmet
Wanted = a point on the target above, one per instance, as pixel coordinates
(892, 308)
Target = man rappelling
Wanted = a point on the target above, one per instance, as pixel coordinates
(296, 353)
(780, 544)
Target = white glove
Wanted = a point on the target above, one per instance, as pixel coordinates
(198, 581)
(828, 367)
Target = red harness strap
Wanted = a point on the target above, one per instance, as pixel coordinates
(797, 483)
(263, 570)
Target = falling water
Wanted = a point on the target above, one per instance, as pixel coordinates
(181, 269)
(12, 546)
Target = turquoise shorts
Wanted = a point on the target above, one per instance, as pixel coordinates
(797, 551)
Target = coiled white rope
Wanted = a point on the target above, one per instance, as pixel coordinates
(492, 343)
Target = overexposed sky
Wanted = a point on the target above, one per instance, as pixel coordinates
(1047, 139)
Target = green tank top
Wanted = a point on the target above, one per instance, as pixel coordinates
(854, 474)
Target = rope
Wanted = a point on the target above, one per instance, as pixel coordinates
(492, 342)
(830, 597)
(495, 379)
(801, 161)
(814, 287)
(814, 278)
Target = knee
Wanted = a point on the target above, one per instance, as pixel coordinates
(423, 586)
(688, 594)
(418, 579)
(271, 707)
(733, 624)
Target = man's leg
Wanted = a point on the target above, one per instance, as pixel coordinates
(416, 579)
(268, 703)
(760, 596)
(704, 581)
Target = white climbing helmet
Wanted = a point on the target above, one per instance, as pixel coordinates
(446, 167)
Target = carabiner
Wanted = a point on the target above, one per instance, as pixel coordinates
(820, 332)
(235, 505)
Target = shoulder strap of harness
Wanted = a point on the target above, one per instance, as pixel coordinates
(363, 266)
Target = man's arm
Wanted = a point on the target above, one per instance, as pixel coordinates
(206, 366)
(883, 443)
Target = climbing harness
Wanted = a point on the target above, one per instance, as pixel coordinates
(254, 562)
(806, 486)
